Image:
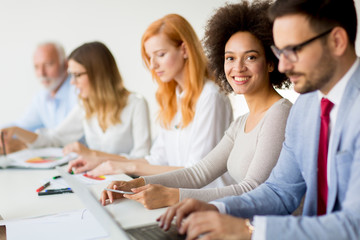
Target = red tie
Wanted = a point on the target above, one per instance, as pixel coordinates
(326, 107)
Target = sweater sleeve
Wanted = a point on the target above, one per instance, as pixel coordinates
(205, 171)
(269, 144)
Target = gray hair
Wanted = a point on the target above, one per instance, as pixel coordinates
(59, 49)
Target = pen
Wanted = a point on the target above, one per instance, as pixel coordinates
(54, 192)
(3, 143)
(58, 190)
(56, 177)
(43, 187)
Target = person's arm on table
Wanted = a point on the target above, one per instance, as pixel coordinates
(89, 159)
(22, 134)
(139, 167)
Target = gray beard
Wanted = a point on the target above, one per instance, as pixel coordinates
(55, 83)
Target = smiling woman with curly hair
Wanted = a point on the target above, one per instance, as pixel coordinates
(235, 18)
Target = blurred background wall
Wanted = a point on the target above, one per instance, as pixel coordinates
(117, 23)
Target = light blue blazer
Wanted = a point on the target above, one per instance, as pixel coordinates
(296, 173)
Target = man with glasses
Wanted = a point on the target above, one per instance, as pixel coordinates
(320, 158)
(52, 104)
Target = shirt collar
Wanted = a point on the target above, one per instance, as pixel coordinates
(61, 92)
(336, 93)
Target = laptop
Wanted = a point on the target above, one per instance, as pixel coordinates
(114, 229)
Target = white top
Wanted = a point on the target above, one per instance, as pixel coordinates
(131, 137)
(185, 147)
(249, 158)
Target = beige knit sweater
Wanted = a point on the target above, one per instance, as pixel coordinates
(248, 157)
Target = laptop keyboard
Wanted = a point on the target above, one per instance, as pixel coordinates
(154, 232)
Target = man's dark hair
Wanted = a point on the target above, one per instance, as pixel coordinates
(322, 14)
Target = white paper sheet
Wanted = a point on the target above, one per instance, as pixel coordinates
(75, 225)
(60, 183)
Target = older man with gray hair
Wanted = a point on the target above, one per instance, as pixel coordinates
(51, 105)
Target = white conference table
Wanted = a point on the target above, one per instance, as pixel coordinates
(19, 199)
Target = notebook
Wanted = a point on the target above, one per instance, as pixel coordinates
(115, 230)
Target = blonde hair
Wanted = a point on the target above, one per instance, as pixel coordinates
(178, 30)
(108, 96)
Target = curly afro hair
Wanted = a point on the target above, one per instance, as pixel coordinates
(233, 18)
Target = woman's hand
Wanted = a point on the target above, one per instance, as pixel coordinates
(78, 148)
(12, 145)
(83, 164)
(86, 161)
(8, 133)
(120, 185)
(113, 167)
(154, 196)
(23, 135)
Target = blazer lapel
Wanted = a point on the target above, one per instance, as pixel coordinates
(351, 92)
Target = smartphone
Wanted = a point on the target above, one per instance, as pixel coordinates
(117, 191)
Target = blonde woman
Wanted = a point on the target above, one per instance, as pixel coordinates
(106, 115)
(193, 112)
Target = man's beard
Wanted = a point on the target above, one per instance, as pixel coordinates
(320, 77)
(54, 83)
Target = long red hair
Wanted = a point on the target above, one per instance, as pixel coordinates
(178, 30)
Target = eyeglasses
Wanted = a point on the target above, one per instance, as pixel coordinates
(75, 75)
(290, 52)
